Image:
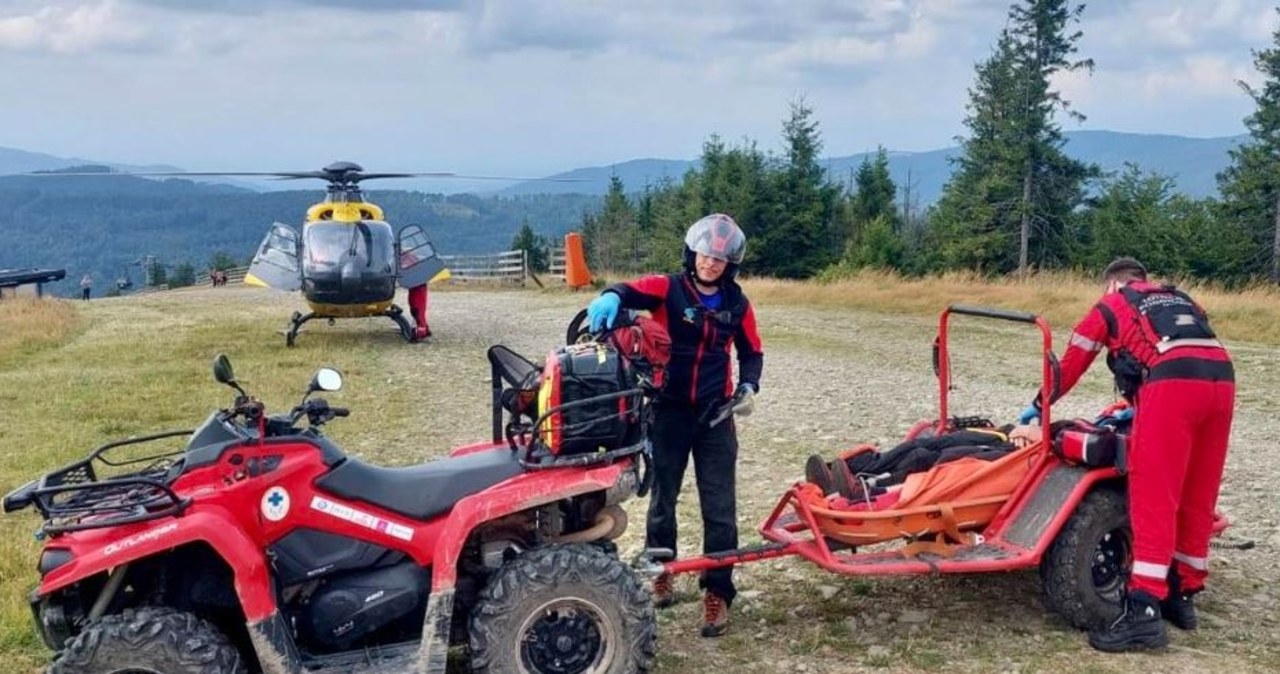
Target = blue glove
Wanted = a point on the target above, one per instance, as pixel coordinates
(1028, 415)
(1124, 414)
(603, 311)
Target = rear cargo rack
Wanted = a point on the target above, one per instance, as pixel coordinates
(74, 498)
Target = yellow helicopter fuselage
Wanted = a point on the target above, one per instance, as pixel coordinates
(349, 214)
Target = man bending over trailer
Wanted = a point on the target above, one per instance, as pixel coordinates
(1170, 365)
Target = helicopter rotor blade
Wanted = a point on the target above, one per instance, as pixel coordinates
(350, 177)
(178, 174)
(462, 176)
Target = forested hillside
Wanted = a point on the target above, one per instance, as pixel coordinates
(100, 225)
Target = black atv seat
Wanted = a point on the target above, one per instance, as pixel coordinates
(421, 492)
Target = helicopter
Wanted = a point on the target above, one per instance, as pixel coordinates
(346, 260)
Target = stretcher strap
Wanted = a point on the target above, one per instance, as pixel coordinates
(946, 541)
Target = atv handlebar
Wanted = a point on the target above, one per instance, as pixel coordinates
(318, 411)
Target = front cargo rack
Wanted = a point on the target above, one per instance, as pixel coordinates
(74, 497)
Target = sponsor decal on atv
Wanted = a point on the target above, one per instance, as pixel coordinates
(364, 519)
(275, 504)
(139, 539)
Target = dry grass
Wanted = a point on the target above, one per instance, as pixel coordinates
(1250, 315)
(29, 324)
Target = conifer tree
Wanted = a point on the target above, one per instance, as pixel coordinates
(1250, 185)
(1013, 192)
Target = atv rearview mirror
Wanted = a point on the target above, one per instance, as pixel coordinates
(222, 371)
(326, 379)
(224, 374)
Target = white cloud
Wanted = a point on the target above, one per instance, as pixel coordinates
(508, 84)
(73, 29)
(1206, 76)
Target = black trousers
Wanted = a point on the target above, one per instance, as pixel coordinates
(676, 436)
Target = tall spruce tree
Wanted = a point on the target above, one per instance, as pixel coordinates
(1250, 185)
(1012, 180)
(534, 245)
(612, 239)
(875, 194)
(875, 239)
(798, 233)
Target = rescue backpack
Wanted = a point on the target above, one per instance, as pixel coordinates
(1168, 319)
(588, 401)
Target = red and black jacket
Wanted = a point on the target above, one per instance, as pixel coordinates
(1134, 356)
(700, 372)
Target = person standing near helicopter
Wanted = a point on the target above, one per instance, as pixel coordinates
(706, 313)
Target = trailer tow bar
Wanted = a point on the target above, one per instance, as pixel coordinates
(656, 561)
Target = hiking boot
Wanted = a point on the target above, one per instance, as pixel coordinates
(816, 471)
(1139, 627)
(1178, 608)
(846, 483)
(715, 615)
(664, 591)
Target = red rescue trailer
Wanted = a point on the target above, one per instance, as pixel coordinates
(1028, 509)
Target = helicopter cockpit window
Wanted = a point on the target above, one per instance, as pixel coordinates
(283, 241)
(332, 242)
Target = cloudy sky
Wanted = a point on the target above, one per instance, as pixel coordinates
(539, 86)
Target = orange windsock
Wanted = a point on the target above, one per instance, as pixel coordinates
(576, 274)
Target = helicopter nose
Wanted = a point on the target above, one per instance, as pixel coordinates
(350, 274)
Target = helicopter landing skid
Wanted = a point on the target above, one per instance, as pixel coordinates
(295, 325)
(395, 313)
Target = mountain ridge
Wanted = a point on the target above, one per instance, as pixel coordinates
(1192, 162)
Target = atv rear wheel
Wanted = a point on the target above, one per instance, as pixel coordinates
(149, 640)
(563, 609)
(1085, 570)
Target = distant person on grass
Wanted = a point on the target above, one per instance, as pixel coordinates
(86, 287)
(706, 313)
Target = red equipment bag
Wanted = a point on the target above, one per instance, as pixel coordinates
(647, 344)
(1086, 445)
(577, 404)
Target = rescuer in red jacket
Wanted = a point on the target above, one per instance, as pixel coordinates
(706, 313)
(1169, 363)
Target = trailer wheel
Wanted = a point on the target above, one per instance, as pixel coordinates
(563, 609)
(1085, 571)
(147, 640)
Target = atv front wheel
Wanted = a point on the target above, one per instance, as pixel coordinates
(563, 609)
(1085, 570)
(149, 639)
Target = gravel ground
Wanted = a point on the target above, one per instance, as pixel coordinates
(835, 378)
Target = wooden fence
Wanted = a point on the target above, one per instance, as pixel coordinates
(555, 258)
(509, 266)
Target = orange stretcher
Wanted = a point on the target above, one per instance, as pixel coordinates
(950, 499)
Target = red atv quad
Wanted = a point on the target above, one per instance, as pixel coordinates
(261, 546)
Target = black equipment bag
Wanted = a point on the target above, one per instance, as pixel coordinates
(588, 401)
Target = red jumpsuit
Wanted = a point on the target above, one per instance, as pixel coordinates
(1178, 445)
(418, 310)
